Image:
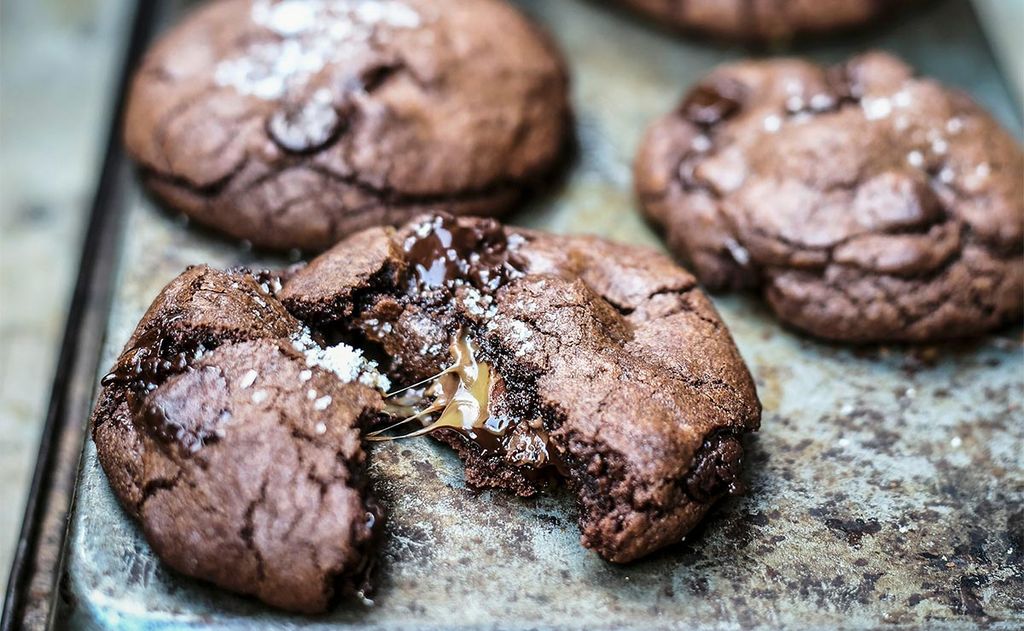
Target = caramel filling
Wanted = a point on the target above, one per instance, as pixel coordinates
(460, 392)
(461, 397)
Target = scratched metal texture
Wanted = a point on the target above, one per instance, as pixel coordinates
(885, 488)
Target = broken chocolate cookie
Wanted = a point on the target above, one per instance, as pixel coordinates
(540, 357)
(867, 204)
(233, 438)
(293, 123)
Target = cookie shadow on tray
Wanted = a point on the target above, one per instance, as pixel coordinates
(182, 228)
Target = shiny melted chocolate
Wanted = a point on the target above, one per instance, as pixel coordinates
(711, 102)
(716, 470)
(191, 419)
(145, 365)
(443, 252)
(140, 370)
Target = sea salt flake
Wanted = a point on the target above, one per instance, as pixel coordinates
(701, 143)
(876, 108)
(478, 304)
(341, 359)
(313, 34)
(322, 402)
(915, 158)
(248, 378)
(287, 18)
(822, 101)
(259, 396)
(523, 336)
(772, 123)
(955, 442)
(346, 362)
(396, 14)
(515, 240)
(303, 340)
(738, 252)
(902, 99)
(320, 428)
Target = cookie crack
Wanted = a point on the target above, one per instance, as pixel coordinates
(156, 485)
(247, 532)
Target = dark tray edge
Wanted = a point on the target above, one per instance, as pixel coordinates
(53, 480)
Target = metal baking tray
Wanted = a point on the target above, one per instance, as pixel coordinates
(885, 489)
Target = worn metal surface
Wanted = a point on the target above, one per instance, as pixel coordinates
(885, 488)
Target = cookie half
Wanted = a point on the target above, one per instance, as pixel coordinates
(549, 358)
(240, 457)
(293, 123)
(763, 20)
(867, 204)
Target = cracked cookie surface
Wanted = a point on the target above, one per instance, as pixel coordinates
(760, 20)
(607, 368)
(867, 204)
(236, 449)
(292, 123)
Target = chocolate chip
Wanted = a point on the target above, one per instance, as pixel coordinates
(478, 254)
(373, 77)
(717, 469)
(712, 102)
(307, 127)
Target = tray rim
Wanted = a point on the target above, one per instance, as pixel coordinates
(90, 303)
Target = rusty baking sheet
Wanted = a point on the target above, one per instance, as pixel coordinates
(885, 488)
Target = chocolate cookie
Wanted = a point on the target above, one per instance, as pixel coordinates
(233, 439)
(540, 357)
(762, 20)
(866, 203)
(293, 123)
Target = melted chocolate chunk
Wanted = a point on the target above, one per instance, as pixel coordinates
(187, 413)
(148, 362)
(712, 102)
(372, 77)
(443, 251)
(716, 469)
